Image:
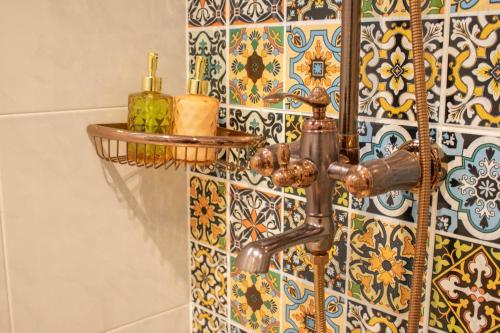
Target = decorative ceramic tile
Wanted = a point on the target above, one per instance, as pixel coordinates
(465, 287)
(362, 318)
(379, 141)
(296, 260)
(303, 10)
(255, 300)
(299, 310)
(205, 322)
(386, 8)
(256, 11)
(313, 60)
(387, 87)
(212, 45)
(256, 60)
(207, 207)
(253, 215)
(470, 196)
(266, 124)
(473, 96)
(204, 13)
(474, 5)
(381, 262)
(208, 278)
(222, 156)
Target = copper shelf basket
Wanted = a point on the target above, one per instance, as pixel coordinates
(228, 150)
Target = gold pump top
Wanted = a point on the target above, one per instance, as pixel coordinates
(152, 82)
(197, 85)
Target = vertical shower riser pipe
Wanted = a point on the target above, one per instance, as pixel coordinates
(349, 80)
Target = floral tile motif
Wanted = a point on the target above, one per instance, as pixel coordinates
(470, 196)
(379, 141)
(204, 13)
(296, 260)
(212, 45)
(222, 156)
(256, 65)
(293, 127)
(208, 278)
(299, 311)
(473, 95)
(256, 11)
(362, 318)
(381, 262)
(265, 124)
(253, 215)
(399, 7)
(387, 87)
(255, 300)
(304, 10)
(465, 287)
(474, 5)
(207, 207)
(204, 322)
(313, 60)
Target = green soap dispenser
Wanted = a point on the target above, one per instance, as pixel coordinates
(150, 111)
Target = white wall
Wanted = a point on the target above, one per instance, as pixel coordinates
(86, 246)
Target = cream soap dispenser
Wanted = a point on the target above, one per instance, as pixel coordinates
(150, 111)
(196, 114)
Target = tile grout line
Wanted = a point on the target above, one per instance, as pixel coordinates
(444, 63)
(59, 112)
(188, 173)
(348, 258)
(468, 239)
(227, 251)
(3, 231)
(144, 319)
(227, 175)
(188, 204)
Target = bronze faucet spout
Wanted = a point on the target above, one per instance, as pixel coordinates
(256, 257)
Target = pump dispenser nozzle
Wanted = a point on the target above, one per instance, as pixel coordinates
(152, 82)
(197, 85)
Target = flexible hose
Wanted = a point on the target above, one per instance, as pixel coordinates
(319, 262)
(425, 164)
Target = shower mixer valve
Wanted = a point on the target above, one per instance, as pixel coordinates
(315, 164)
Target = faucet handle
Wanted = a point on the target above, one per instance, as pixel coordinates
(283, 155)
(318, 99)
(301, 172)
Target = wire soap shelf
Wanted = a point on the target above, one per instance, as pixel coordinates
(228, 150)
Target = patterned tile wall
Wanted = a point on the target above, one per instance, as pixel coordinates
(257, 47)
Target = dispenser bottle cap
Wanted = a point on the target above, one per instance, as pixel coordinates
(151, 82)
(197, 85)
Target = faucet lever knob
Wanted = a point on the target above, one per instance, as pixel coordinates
(318, 99)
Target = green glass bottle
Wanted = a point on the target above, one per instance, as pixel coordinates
(150, 111)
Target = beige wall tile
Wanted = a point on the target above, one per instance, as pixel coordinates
(172, 321)
(60, 55)
(90, 246)
(4, 304)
